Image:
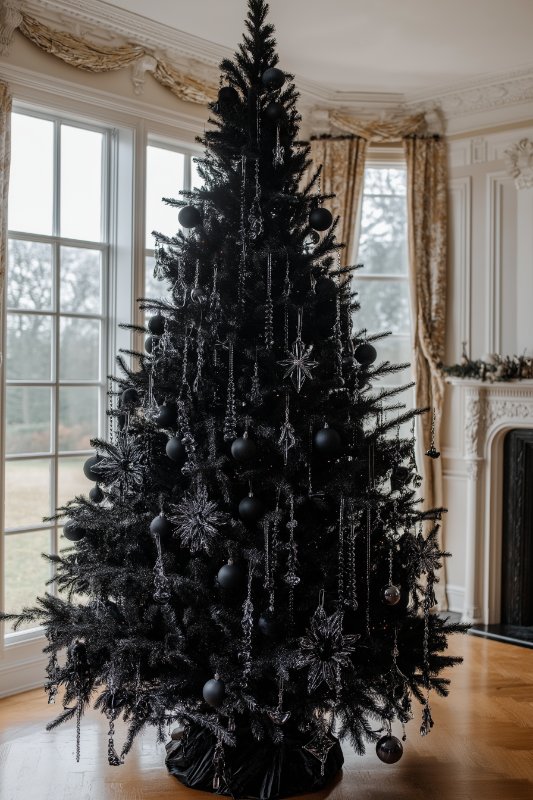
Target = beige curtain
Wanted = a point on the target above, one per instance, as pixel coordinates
(5, 135)
(343, 168)
(381, 130)
(427, 224)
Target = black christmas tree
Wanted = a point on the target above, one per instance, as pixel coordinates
(252, 560)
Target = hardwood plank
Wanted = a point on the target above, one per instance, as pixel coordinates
(481, 747)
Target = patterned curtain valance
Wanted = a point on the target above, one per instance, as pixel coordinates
(387, 130)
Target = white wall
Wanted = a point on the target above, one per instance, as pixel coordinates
(490, 294)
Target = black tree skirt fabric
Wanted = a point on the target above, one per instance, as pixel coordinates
(253, 770)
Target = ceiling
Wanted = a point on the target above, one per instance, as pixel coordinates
(407, 46)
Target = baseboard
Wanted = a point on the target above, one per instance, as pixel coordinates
(22, 665)
(456, 597)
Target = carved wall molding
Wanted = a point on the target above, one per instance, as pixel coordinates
(519, 159)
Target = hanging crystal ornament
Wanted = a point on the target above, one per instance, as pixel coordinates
(187, 438)
(433, 452)
(159, 267)
(200, 342)
(371, 484)
(291, 578)
(161, 582)
(214, 297)
(255, 215)
(113, 759)
(287, 438)
(429, 600)
(247, 627)
(53, 674)
(337, 333)
(218, 763)
(299, 363)
(322, 741)
(185, 389)
(278, 715)
(242, 233)
(340, 575)
(255, 391)
(279, 151)
(269, 584)
(352, 572)
(286, 295)
(269, 307)
(230, 418)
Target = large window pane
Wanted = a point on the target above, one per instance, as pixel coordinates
(81, 184)
(78, 417)
(29, 284)
(383, 238)
(71, 479)
(28, 413)
(164, 178)
(29, 347)
(27, 485)
(384, 306)
(31, 181)
(26, 570)
(79, 349)
(80, 280)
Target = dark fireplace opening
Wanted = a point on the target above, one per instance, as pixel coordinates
(517, 529)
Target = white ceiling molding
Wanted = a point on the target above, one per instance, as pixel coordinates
(106, 23)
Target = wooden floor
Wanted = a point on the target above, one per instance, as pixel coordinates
(481, 747)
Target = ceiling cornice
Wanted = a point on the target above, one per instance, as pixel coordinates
(107, 23)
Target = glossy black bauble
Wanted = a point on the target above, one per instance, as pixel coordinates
(73, 532)
(250, 509)
(130, 396)
(166, 415)
(268, 625)
(175, 450)
(273, 78)
(391, 595)
(214, 691)
(151, 343)
(320, 219)
(160, 525)
(156, 324)
(274, 111)
(230, 577)
(96, 494)
(198, 295)
(88, 468)
(389, 749)
(189, 217)
(227, 96)
(243, 449)
(327, 442)
(366, 354)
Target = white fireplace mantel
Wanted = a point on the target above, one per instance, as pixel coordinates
(490, 411)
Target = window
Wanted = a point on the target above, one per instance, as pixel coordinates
(56, 333)
(383, 282)
(169, 170)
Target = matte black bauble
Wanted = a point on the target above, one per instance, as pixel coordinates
(189, 217)
(227, 96)
(399, 477)
(151, 343)
(198, 295)
(389, 749)
(161, 526)
(175, 450)
(320, 219)
(391, 595)
(250, 509)
(269, 625)
(88, 468)
(166, 415)
(273, 78)
(327, 442)
(96, 494)
(130, 396)
(156, 324)
(366, 354)
(230, 577)
(243, 449)
(214, 692)
(73, 532)
(274, 111)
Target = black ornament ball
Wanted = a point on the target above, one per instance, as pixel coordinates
(366, 354)
(160, 525)
(227, 96)
(189, 217)
(129, 396)
(269, 625)
(166, 415)
(320, 219)
(327, 442)
(243, 449)
(389, 749)
(156, 324)
(96, 494)
(73, 532)
(175, 450)
(399, 477)
(198, 295)
(273, 78)
(250, 509)
(230, 577)
(274, 111)
(214, 691)
(151, 343)
(391, 595)
(88, 468)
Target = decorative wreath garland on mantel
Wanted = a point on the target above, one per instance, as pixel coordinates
(492, 367)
